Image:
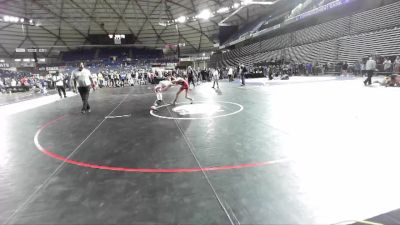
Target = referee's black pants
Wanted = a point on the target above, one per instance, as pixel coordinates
(84, 92)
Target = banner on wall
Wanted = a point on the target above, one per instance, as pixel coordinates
(4, 65)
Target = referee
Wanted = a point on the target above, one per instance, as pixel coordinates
(83, 80)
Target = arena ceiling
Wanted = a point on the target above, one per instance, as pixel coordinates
(67, 24)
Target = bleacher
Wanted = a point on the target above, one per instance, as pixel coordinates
(326, 31)
(81, 54)
(383, 17)
(383, 42)
(350, 38)
(104, 54)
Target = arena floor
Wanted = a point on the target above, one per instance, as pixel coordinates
(312, 152)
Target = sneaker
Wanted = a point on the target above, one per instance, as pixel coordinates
(83, 112)
(89, 110)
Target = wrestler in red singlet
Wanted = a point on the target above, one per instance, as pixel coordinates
(184, 87)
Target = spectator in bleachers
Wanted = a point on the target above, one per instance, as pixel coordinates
(397, 65)
(387, 65)
(370, 67)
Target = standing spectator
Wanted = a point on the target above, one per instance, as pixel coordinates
(59, 81)
(82, 79)
(13, 82)
(363, 68)
(230, 74)
(123, 78)
(345, 67)
(67, 80)
(199, 76)
(309, 69)
(315, 68)
(324, 68)
(215, 76)
(94, 79)
(110, 79)
(243, 72)
(370, 67)
(357, 68)
(191, 75)
(387, 65)
(397, 65)
(100, 79)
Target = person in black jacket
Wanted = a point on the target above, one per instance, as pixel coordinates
(191, 74)
(243, 72)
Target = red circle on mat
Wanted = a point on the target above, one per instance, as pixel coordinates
(142, 170)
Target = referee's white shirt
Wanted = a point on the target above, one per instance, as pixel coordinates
(82, 77)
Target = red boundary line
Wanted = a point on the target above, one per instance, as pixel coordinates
(143, 170)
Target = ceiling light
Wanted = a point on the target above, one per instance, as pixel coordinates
(22, 20)
(247, 2)
(236, 5)
(110, 36)
(17, 60)
(181, 19)
(223, 10)
(205, 14)
(263, 3)
(6, 18)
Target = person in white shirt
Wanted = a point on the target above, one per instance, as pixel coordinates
(397, 65)
(13, 82)
(94, 79)
(58, 79)
(83, 80)
(100, 78)
(159, 89)
(387, 65)
(230, 74)
(215, 76)
(370, 67)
